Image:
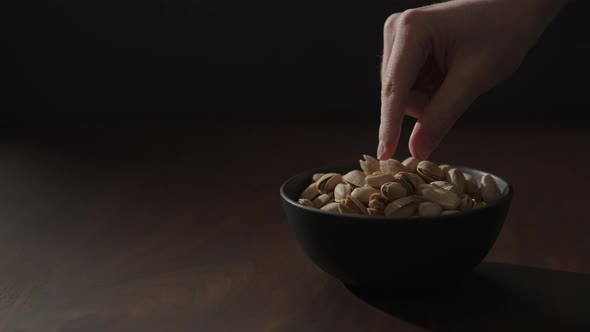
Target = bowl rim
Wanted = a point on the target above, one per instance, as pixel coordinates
(350, 217)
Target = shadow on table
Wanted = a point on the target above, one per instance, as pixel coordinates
(496, 297)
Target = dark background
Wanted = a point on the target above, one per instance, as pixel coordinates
(129, 59)
(143, 144)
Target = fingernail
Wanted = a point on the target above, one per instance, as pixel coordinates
(380, 150)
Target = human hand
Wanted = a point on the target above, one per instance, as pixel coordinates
(438, 59)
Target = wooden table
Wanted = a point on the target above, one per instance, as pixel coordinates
(177, 226)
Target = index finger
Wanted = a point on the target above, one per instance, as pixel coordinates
(406, 58)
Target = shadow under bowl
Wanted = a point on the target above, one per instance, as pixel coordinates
(388, 252)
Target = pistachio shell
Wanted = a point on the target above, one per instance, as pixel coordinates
(344, 209)
(328, 182)
(317, 176)
(322, 200)
(416, 180)
(311, 191)
(406, 181)
(429, 172)
(376, 181)
(377, 173)
(444, 167)
(441, 185)
(403, 207)
(364, 193)
(355, 178)
(330, 207)
(341, 191)
(355, 204)
(445, 198)
(447, 212)
(429, 209)
(375, 212)
(489, 189)
(377, 201)
(392, 166)
(393, 190)
(457, 178)
(369, 165)
(479, 205)
(421, 188)
(411, 164)
(467, 202)
(470, 184)
(306, 202)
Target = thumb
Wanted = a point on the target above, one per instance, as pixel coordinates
(454, 96)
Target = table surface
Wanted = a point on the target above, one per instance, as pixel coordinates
(178, 227)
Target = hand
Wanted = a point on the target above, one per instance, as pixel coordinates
(438, 59)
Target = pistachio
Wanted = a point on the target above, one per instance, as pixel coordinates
(467, 202)
(355, 178)
(479, 205)
(470, 186)
(445, 167)
(364, 193)
(322, 200)
(344, 209)
(403, 207)
(429, 209)
(429, 172)
(375, 212)
(317, 176)
(489, 189)
(392, 166)
(421, 188)
(355, 204)
(416, 180)
(328, 182)
(310, 192)
(306, 202)
(341, 191)
(457, 179)
(369, 165)
(330, 207)
(393, 190)
(442, 185)
(411, 164)
(445, 198)
(406, 181)
(376, 181)
(377, 202)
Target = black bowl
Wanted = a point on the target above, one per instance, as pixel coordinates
(381, 252)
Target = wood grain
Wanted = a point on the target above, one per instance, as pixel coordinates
(178, 227)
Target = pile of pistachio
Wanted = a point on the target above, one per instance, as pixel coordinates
(399, 189)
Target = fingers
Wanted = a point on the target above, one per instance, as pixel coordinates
(408, 54)
(388, 38)
(454, 96)
(417, 102)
